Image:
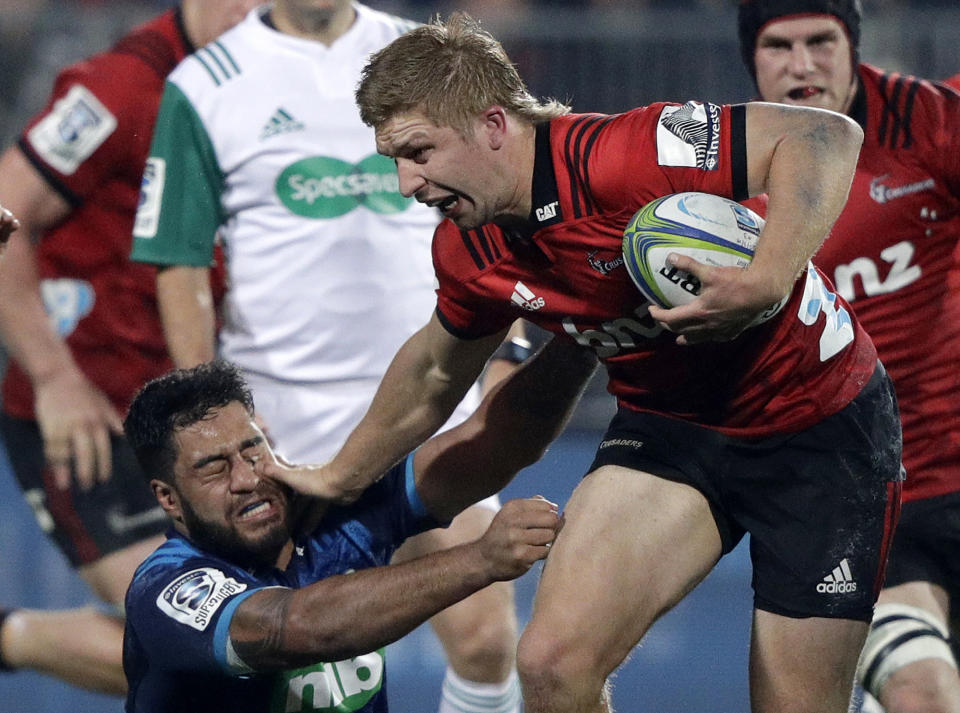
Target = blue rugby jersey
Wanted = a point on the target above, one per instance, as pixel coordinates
(176, 652)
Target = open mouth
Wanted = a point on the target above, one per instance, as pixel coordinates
(255, 509)
(443, 204)
(804, 93)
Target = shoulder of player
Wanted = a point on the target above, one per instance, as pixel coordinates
(219, 66)
(905, 112)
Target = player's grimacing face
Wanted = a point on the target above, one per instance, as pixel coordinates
(805, 61)
(440, 167)
(225, 504)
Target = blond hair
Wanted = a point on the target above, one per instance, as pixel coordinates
(451, 71)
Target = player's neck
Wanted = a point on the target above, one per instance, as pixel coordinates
(522, 151)
(320, 26)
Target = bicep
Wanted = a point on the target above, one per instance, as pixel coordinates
(36, 204)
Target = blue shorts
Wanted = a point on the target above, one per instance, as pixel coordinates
(820, 505)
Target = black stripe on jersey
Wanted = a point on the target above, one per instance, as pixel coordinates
(908, 113)
(449, 326)
(579, 194)
(59, 186)
(486, 243)
(544, 190)
(586, 160)
(895, 123)
(472, 249)
(490, 244)
(738, 152)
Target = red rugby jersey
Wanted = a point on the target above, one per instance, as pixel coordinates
(565, 273)
(892, 254)
(90, 143)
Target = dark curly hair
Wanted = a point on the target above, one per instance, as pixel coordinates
(176, 400)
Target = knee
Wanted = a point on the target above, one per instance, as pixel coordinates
(550, 664)
(907, 662)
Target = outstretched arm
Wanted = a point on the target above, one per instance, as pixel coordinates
(425, 381)
(805, 160)
(510, 430)
(353, 614)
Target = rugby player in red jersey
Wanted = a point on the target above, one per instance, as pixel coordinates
(81, 324)
(891, 256)
(788, 430)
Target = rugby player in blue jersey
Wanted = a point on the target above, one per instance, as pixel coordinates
(262, 600)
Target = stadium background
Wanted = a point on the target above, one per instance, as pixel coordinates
(605, 55)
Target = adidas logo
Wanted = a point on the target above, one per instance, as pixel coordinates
(839, 581)
(280, 123)
(524, 298)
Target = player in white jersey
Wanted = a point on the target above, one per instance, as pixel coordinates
(329, 269)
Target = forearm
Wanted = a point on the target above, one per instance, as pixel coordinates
(186, 311)
(511, 429)
(811, 167)
(24, 324)
(350, 615)
(416, 396)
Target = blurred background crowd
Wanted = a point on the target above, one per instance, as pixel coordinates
(628, 52)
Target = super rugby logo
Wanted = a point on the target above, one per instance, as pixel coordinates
(193, 598)
(322, 187)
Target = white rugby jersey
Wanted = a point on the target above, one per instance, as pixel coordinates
(259, 138)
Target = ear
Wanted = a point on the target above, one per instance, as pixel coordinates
(168, 498)
(495, 125)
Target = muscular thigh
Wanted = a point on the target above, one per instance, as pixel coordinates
(632, 545)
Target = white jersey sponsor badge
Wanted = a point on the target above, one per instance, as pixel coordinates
(76, 127)
(193, 598)
(689, 135)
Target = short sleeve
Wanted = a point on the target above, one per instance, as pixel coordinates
(179, 210)
(181, 616)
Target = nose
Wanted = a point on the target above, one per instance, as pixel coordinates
(409, 176)
(801, 60)
(243, 476)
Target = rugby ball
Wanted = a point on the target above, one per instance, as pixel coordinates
(710, 229)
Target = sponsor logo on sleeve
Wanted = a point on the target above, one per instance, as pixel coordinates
(76, 127)
(689, 135)
(341, 687)
(193, 598)
(151, 198)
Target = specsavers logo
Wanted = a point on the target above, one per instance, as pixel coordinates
(341, 687)
(322, 187)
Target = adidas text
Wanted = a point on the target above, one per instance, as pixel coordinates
(836, 587)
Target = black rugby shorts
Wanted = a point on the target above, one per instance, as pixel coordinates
(820, 505)
(85, 525)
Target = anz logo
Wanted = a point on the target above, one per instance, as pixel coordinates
(901, 274)
(616, 335)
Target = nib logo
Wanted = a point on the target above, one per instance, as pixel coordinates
(840, 581)
(524, 298)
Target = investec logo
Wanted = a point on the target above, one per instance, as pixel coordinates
(323, 187)
(343, 687)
